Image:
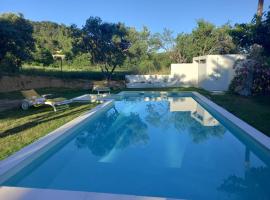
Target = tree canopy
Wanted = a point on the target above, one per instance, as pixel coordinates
(253, 74)
(246, 35)
(110, 45)
(106, 42)
(52, 36)
(205, 39)
(16, 40)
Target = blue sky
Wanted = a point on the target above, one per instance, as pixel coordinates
(177, 15)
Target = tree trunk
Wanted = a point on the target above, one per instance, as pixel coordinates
(110, 73)
(260, 9)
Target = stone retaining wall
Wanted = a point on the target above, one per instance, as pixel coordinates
(22, 82)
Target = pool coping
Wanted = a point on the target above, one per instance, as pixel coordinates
(26, 152)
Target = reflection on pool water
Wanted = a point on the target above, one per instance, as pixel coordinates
(168, 147)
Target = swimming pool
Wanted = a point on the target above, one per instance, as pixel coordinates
(152, 144)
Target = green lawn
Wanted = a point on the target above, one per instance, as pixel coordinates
(89, 72)
(253, 110)
(19, 128)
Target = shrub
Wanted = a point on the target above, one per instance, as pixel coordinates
(44, 57)
(82, 60)
(10, 64)
(251, 78)
(261, 80)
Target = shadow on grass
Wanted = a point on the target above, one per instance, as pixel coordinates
(51, 116)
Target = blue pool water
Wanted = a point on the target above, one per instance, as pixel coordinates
(164, 147)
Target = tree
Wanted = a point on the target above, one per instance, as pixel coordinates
(205, 39)
(246, 35)
(260, 10)
(16, 41)
(77, 41)
(44, 57)
(143, 54)
(52, 36)
(184, 50)
(106, 43)
(253, 74)
(139, 46)
(209, 39)
(165, 40)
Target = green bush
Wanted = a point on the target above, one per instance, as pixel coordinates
(44, 57)
(10, 64)
(81, 60)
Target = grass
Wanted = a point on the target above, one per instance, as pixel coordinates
(90, 73)
(19, 128)
(253, 110)
(70, 72)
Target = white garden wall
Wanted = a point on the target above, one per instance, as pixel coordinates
(211, 72)
(152, 81)
(216, 71)
(188, 72)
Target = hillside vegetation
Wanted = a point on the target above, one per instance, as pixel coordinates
(105, 46)
(109, 49)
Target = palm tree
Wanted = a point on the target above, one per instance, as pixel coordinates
(260, 9)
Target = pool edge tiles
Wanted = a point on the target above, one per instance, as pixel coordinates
(19, 193)
(21, 158)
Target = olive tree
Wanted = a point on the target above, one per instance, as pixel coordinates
(105, 42)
